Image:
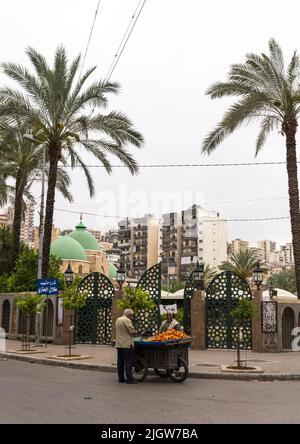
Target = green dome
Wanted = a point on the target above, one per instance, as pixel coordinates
(86, 239)
(67, 248)
(112, 271)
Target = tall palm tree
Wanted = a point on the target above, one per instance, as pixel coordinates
(269, 93)
(242, 263)
(21, 162)
(58, 108)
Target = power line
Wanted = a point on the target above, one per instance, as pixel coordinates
(90, 36)
(121, 48)
(205, 220)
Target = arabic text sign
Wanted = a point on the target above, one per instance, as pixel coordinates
(164, 308)
(48, 286)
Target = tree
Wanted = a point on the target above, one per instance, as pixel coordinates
(139, 301)
(243, 312)
(5, 250)
(285, 279)
(21, 161)
(29, 305)
(58, 109)
(269, 92)
(73, 300)
(25, 274)
(243, 264)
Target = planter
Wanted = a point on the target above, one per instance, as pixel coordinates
(69, 358)
(235, 369)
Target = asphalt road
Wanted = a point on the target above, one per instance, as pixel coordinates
(31, 393)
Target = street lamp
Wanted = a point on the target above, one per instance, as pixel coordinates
(198, 276)
(69, 275)
(121, 277)
(258, 275)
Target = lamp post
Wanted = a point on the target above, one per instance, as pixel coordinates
(121, 277)
(69, 277)
(29, 138)
(258, 276)
(198, 276)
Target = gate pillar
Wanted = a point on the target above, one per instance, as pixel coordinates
(257, 335)
(116, 312)
(198, 320)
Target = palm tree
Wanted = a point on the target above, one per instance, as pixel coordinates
(21, 162)
(269, 92)
(242, 263)
(58, 109)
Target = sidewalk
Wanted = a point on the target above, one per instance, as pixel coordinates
(202, 364)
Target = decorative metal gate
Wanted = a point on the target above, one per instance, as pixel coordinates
(222, 296)
(187, 296)
(150, 281)
(6, 315)
(288, 323)
(94, 321)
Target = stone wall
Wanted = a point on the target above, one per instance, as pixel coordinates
(14, 317)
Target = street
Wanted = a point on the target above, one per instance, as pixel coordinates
(32, 393)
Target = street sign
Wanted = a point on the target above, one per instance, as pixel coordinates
(48, 287)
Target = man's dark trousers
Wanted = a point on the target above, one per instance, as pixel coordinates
(125, 362)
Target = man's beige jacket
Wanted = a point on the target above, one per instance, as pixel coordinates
(124, 332)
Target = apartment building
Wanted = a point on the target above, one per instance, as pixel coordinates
(139, 243)
(268, 247)
(193, 235)
(238, 245)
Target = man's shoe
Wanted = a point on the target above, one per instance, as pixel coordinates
(122, 382)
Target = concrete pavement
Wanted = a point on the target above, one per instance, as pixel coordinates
(203, 364)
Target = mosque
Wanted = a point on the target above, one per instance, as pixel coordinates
(81, 249)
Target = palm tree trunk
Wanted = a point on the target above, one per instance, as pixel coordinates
(53, 162)
(290, 128)
(17, 218)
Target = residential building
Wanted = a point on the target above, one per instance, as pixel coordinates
(171, 229)
(139, 242)
(56, 233)
(97, 234)
(239, 245)
(4, 220)
(27, 224)
(267, 247)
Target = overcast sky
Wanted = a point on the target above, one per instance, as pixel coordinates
(177, 49)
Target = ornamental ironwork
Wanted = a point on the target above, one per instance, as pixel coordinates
(150, 281)
(187, 296)
(222, 296)
(93, 323)
(269, 316)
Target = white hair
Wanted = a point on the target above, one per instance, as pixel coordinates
(128, 312)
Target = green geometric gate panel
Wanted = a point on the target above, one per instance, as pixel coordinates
(187, 296)
(150, 281)
(222, 296)
(94, 320)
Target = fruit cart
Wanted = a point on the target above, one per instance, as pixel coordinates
(167, 358)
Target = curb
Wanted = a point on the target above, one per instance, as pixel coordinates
(195, 375)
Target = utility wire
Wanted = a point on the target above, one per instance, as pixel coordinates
(89, 39)
(121, 48)
(205, 220)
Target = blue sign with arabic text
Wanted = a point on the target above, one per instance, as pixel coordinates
(47, 287)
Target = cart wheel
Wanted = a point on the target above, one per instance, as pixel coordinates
(163, 373)
(140, 369)
(179, 374)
